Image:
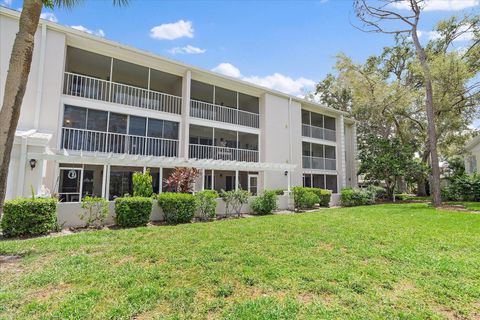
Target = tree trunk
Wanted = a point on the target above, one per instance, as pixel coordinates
(421, 187)
(432, 135)
(15, 85)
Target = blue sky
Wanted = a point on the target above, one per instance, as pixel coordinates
(285, 45)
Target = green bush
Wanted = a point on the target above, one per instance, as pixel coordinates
(207, 204)
(29, 216)
(279, 192)
(356, 197)
(95, 211)
(266, 203)
(132, 211)
(377, 192)
(177, 207)
(305, 198)
(142, 184)
(323, 194)
(463, 188)
(403, 196)
(234, 200)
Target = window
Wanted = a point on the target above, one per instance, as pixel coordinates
(97, 120)
(118, 123)
(317, 120)
(306, 149)
(305, 117)
(318, 181)
(137, 126)
(170, 130)
(331, 183)
(330, 152)
(329, 123)
(155, 128)
(317, 150)
(75, 117)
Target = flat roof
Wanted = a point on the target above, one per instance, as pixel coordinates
(77, 36)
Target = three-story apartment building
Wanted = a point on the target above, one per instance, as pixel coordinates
(96, 111)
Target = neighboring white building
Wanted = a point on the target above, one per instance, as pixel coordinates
(95, 111)
(472, 159)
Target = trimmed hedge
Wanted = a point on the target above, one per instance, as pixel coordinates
(177, 207)
(266, 203)
(303, 198)
(132, 211)
(29, 216)
(356, 197)
(323, 194)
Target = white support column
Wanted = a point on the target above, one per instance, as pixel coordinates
(107, 182)
(213, 179)
(341, 150)
(160, 180)
(21, 167)
(185, 125)
(288, 181)
(104, 181)
(354, 156)
(203, 180)
(144, 167)
(236, 180)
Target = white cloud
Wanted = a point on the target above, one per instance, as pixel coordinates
(98, 32)
(188, 49)
(440, 5)
(228, 70)
(433, 35)
(171, 31)
(48, 16)
(276, 81)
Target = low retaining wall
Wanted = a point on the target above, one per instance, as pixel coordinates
(68, 213)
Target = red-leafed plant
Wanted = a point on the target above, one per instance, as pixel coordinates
(181, 180)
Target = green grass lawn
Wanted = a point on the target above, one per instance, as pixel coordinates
(386, 261)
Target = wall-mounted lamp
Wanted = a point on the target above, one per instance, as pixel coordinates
(286, 173)
(33, 163)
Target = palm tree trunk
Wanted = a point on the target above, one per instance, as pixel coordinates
(15, 85)
(432, 134)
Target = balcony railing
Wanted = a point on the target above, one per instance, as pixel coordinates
(97, 89)
(210, 111)
(99, 141)
(318, 133)
(319, 163)
(198, 151)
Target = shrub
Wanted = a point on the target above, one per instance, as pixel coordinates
(377, 192)
(181, 180)
(322, 194)
(234, 200)
(95, 211)
(142, 184)
(279, 192)
(29, 216)
(177, 207)
(266, 203)
(463, 188)
(356, 197)
(132, 211)
(403, 196)
(206, 204)
(304, 198)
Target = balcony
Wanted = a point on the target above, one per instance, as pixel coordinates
(319, 163)
(318, 133)
(198, 151)
(93, 88)
(100, 141)
(210, 111)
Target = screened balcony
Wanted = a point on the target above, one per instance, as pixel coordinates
(220, 144)
(219, 104)
(318, 156)
(318, 126)
(92, 130)
(93, 76)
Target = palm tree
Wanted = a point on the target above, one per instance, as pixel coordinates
(17, 76)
